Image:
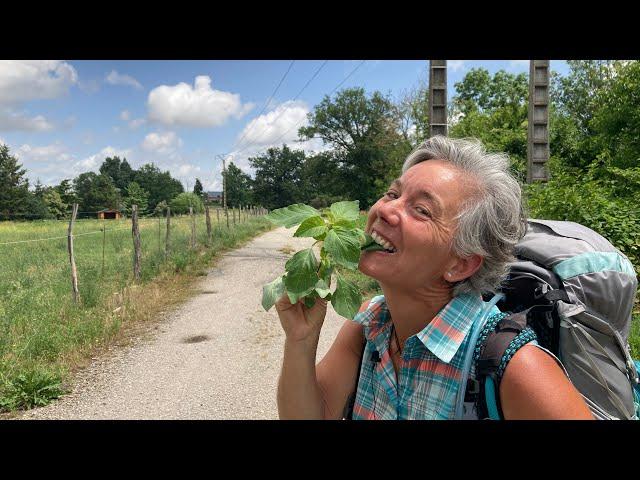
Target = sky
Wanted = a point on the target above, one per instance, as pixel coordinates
(62, 118)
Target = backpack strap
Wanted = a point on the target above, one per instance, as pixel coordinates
(347, 413)
(499, 341)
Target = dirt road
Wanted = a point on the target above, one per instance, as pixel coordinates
(218, 356)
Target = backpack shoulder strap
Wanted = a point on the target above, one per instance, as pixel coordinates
(499, 342)
(347, 413)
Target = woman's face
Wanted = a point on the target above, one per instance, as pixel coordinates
(416, 215)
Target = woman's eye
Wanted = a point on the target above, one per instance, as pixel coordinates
(422, 211)
(391, 194)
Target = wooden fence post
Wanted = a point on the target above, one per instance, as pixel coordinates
(135, 231)
(104, 240)
(74, 271)
(193, 228)
(206, 210)
(166, 244)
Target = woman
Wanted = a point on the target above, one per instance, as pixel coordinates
(449, 225)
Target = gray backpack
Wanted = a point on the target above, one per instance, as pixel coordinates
(576, 292)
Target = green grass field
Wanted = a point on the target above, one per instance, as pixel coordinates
(44, 335)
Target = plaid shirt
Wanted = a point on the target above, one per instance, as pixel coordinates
(431, 366)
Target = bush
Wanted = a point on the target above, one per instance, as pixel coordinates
(183, 201)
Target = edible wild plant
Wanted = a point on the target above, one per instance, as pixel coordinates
(341, 242)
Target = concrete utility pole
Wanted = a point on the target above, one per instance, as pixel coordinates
(538, 132)
(224, 189)
(438, 98)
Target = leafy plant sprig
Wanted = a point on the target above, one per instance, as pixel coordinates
(341, 241)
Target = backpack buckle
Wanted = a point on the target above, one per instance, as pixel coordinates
(472, 390)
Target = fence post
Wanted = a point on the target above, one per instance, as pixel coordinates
(193, 228)
(206, 211)
(218, 215)
(104, 240)
(74, 271)
(135, 231)
(166, 244)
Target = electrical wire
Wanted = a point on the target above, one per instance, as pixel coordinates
(282, 112)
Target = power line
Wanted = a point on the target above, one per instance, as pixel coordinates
(266, 103)
(331, 93)
(282, 112)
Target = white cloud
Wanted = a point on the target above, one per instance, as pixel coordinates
(125, 115)
(163, 143)
(24, 80)
(93, 162)
(115, 78)
(455, 65)
(283, 122)
(198, 106)
(12, 120)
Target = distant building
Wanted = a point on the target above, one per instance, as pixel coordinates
(213, 196)
(109, 214)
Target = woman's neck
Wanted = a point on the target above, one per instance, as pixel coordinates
(412, 312)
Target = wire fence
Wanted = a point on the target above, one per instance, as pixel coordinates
(111, 255)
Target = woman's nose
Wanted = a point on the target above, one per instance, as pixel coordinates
(390, 212)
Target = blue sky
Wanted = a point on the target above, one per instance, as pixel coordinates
(62, 118)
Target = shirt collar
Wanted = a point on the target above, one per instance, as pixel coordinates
(444, 335)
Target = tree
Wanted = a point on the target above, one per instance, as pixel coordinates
(95, 192)
(321, 182)
(277, 181)
(14, 187)
(365, 132)
(160, 185)
(119, 170)
(239, 187)
(56, 207)
(183, 201)
(197, 188)
(494, 109)
(65, 189)
(136, 195)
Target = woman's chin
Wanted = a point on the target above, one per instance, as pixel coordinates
(370, 267)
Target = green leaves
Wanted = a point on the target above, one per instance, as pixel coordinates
(348, 211)
(346, 300)
(370, 244)
(312, 227)
(271, 292)
(301, 272)
(344, 247)
(338, 231)
(292, 215)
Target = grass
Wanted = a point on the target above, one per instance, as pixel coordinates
(45, 337)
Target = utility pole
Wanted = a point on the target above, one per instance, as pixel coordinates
(438, 98)
(538, 130)
(224, 189)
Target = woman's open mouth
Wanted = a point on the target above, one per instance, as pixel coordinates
(383, 242)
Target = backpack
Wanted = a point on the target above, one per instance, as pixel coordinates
(575, 291)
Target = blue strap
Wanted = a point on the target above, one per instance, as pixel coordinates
(490, 397)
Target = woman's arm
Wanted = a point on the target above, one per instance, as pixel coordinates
(307, 391)
(534, 387)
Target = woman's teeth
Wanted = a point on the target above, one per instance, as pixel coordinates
(381, 241)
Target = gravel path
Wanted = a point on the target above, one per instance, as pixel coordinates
(218, 356)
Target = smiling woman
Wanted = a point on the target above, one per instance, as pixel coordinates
(448, 226)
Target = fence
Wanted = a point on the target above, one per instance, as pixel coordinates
(33, 259)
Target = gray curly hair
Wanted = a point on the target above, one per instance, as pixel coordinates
(489, 223)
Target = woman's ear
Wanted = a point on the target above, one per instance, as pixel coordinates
(463, 268)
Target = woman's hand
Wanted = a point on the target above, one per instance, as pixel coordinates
(299, 322)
